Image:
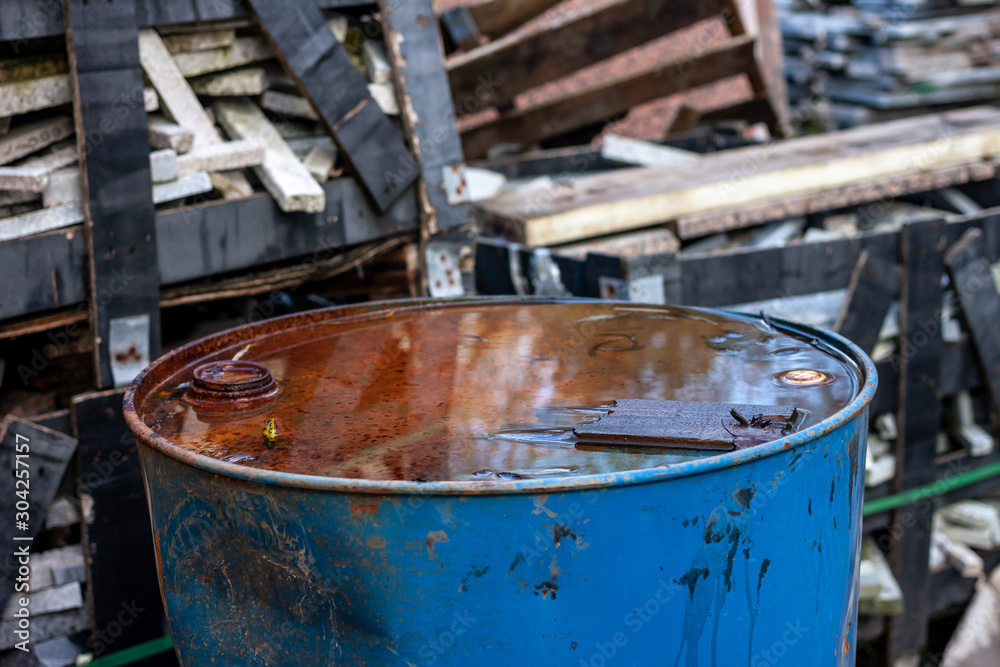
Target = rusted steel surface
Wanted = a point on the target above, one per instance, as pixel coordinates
(715, 559)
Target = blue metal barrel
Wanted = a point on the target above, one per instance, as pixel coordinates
(744, 558)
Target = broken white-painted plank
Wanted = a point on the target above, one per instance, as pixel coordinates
(62, 513)
(319, 161)
(58, 157)
(57, 567)
(11, 198)
(221, 157)
(34, 137)
(338, 26)
(64, 188)
(164, 134)
(965, 561)
(150, 100)
(376, 63)
(200, 41)
(48, 600)
(484, 184)
(642, 153)
(385, 97)
(163, 165)
(182, 105)
(36, 222)
(24, 179)
(243, 51)
(187, 185)
(288, 181)
(247, 81)
(24, 96)
(302, 145)
(286, 104)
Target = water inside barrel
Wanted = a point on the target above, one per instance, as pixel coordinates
(483, 392)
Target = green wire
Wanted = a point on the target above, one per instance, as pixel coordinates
(930, 490)
(134, 653)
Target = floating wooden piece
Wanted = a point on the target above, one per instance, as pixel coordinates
(118, 204)
(116, 535)
(499, 71)
(200, 41)
(607, 203)
(222, 157)
(977, 295)
(24, 179)
(873, 287)
(164, 134)
(365, 137)
(608, 98)
(243, 51)
(249, 81)
(44, 220)
(687, 424)
(290, 183)
(183, 107)
(27, 446)
(34, 137)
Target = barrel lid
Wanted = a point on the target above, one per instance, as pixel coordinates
(477, 390)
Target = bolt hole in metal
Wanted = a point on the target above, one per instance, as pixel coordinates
(803, 377)
(231, 383)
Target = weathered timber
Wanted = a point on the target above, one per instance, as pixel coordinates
(323, 72)
(873, 287)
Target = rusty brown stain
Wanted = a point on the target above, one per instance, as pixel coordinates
(361, 508)
(434, 537)
(376, 542)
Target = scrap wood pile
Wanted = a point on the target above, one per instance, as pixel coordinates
(514, 54)
(225, 120)
(853, 63)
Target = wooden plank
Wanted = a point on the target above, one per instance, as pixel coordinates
(418, 67)
(61, 155)
(281, 172)
(202, 40)
(116, 534)
(102, 43)
(242, 234)
(496, 18)
(571, 40)
(629, 199)
(323, 72)
(248, 81)
(979, 302)
(875, 190)
(760, 19)
(610, 97)
(243, 51)
(919, 418)
(44, 93)
(164, 134)
(43, 220)
(220, 157)
(182, 105)
(24, 179)
(188, 185)
(49, 270)
(873, 287)
(27, 447)
(34, 137)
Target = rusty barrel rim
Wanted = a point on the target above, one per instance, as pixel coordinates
(203, 349)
